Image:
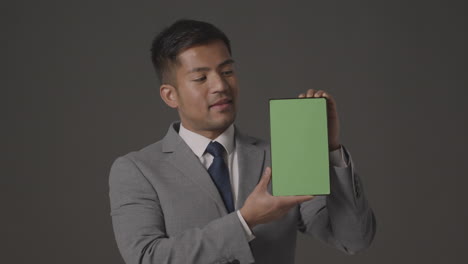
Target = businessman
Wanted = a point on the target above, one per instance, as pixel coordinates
(202, 193)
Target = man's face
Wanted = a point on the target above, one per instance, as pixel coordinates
(206, 88)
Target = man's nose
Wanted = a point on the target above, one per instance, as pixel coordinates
(219, 84)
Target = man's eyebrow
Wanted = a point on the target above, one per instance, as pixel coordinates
(201, 69)
(226, 62)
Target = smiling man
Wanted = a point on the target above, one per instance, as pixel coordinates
(204, 89)
(202, 193)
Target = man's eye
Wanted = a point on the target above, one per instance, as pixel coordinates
(201, 79)
(227, 73)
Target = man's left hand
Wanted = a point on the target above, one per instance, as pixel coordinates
(333, 122)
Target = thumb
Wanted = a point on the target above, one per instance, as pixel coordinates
(266, 177)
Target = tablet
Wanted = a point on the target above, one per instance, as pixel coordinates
(299, 146)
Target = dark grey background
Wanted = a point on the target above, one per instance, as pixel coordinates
(79, 90)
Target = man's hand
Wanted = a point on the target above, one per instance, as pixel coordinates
(261, 207)
(333, 122)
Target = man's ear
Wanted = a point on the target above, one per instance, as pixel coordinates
(169, 95)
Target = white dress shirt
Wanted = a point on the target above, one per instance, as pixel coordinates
(198, 144)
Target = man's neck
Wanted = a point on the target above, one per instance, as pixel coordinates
(211, 134)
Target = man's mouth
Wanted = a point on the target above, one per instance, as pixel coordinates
(221, 104)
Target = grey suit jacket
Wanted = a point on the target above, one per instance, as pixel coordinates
(166, 209)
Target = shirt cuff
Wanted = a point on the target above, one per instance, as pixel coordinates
(337, 158)
(248, 233)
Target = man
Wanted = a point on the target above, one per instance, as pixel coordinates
(202, 193)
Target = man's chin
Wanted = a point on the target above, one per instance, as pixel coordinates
(222, 123)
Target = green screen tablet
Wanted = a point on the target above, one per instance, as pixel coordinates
(299, 146)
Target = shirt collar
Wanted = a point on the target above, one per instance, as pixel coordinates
(198, 143)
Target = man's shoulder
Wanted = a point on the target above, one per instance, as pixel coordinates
(256, 141)
(154, 151)
(149, 153)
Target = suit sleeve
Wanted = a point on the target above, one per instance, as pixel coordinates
(344, 218)
(139, 226)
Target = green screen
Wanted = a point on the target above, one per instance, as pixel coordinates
(299, 146)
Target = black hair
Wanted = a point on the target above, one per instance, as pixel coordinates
(178, 37)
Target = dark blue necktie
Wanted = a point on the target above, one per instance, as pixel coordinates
(219, 173)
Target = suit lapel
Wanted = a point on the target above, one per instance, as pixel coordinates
(182, 158)
(251, 160)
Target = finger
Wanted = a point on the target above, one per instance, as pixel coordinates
(302, 95)
(266, 177)
(329, 97)
(318, 93)
(304, 198)
(331, 103)
(293, 200)
(310, 93)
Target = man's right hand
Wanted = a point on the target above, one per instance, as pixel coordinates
(261, 207)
